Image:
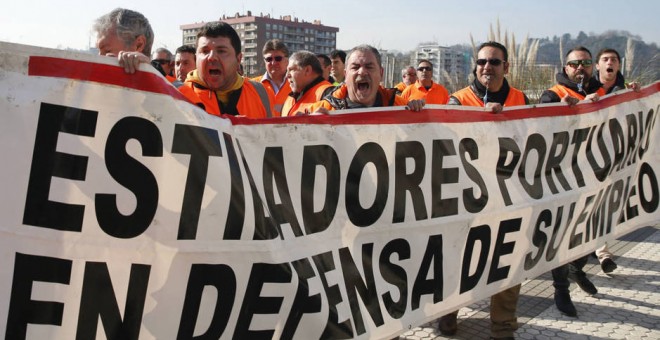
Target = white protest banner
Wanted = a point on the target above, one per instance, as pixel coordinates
(129, 213)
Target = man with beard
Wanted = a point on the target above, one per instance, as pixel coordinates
(215, 85)
(361, 87)
(575, 83)
(491, 90)
(306, 78)
(425, 88)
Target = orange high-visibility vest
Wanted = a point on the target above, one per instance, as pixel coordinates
(280, 97)
(311, 96)
(562, 91)
(250, 103)
(437, 94)
(467, 97)
(387, 96)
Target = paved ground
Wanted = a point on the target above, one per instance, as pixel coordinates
(627, 305)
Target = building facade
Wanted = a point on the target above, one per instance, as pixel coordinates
(254, 31)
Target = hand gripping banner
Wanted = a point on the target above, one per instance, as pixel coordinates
(129, 213)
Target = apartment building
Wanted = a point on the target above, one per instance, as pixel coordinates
(255, 30)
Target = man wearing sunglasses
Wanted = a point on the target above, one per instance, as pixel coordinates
(163, 57)
(491, 90)
(215, 85)
(276, 57)
(575, 82)
(408, 76)
(425, 88)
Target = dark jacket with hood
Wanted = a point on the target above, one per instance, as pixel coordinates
(619, 82)
(552, 95)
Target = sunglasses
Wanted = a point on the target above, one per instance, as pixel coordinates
(424, 69)
(276, 58)
(161, 61)
(492, 61)
(577, 63)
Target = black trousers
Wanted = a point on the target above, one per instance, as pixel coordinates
(561, 273)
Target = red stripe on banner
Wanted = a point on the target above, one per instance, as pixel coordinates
(450, 114)
(100, 73)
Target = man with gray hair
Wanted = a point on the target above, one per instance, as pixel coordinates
(124, 34)
(361, 87)
(164, 58)
(305, 76)
(408, 76)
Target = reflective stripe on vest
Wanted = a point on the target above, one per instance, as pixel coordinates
(467, 97)
(562, 91)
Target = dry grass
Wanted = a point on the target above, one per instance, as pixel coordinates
(630, 57)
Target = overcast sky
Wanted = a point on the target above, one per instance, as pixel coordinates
(387, 24)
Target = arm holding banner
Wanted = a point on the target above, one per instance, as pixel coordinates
(127, 209)
(131, 61)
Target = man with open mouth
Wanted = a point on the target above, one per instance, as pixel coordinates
(608, 71)
(216, 86)
(361, 88)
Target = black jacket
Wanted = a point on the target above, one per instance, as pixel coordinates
(619, 82)
(590, 87)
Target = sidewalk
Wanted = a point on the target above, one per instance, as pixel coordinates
(627, 305)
